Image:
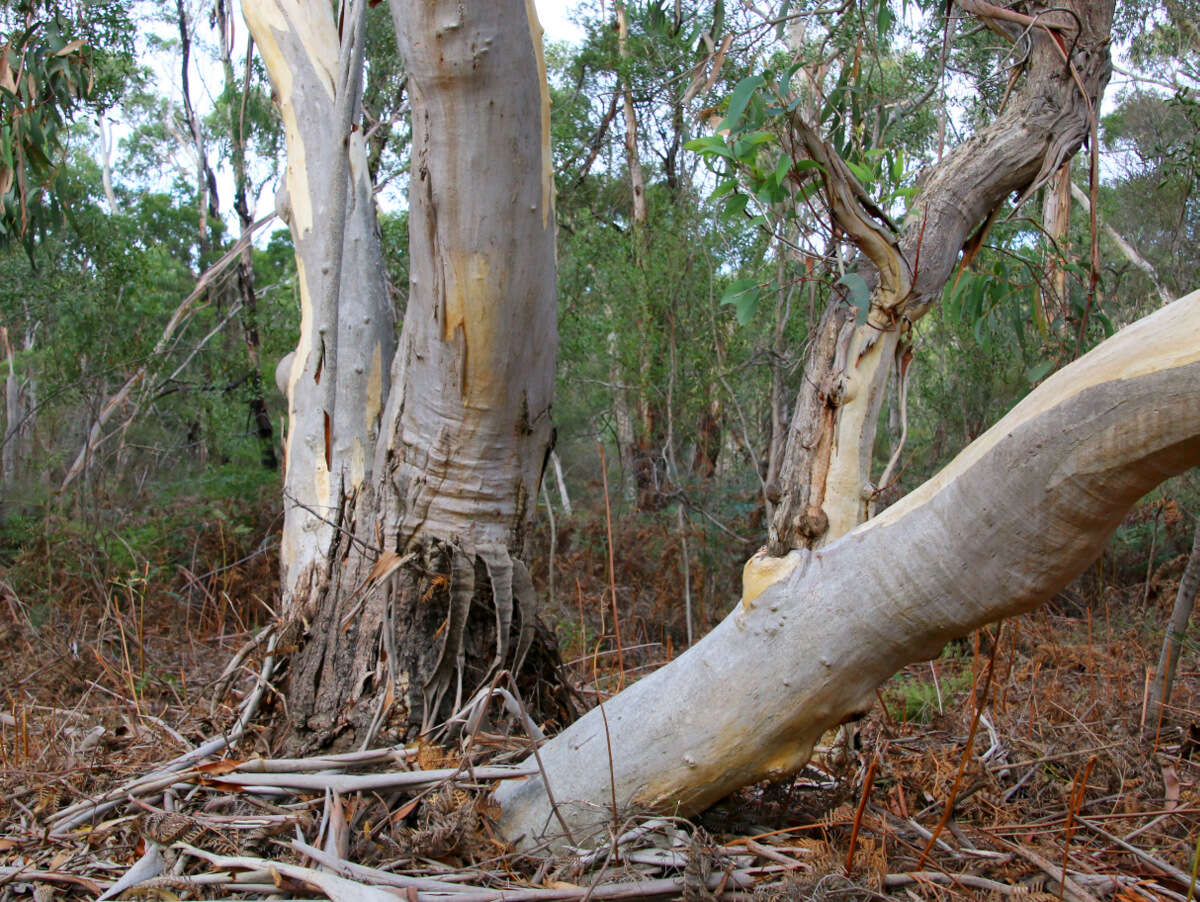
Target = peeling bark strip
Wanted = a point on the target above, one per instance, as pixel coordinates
(826, 474)
(1010, 521)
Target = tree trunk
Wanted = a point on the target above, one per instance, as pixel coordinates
(245, 267)
(825, 479)
(106, 147)
(1056, 220)
(20, 407)
(418, 591)
(339, 374)
(637, 181)
(206, 181)
(1168, 660)
(1010, 521)
(632, 454)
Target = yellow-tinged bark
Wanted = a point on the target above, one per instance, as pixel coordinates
(474, 298)
(763, 570)
(337, 379)
(847, 484)
(375, 385)
(313, 27)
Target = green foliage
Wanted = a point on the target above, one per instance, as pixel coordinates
(49, 64)
(912, 699)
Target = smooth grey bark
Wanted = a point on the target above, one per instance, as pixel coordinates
(106, 147)
(472, 422)
(1006, 524)
(340, 371)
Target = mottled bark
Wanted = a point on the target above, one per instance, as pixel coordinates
(825, 480)
(1012, 519)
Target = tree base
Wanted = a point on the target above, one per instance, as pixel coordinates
(398, 644)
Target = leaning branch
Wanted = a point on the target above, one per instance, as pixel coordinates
(854, 212)
(1017, 515)
(1127, 249)
(178, 318)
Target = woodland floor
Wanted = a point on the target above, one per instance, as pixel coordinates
(982, 774)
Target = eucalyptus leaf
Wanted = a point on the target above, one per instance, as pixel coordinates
(739, 100)
(742, 295)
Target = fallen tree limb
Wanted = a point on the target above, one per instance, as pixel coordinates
(342, 889)
(1010, 521)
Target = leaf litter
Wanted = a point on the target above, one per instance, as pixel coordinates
(1021, 764)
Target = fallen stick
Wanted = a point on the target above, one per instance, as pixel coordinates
(1071, 889)
(1168, 869)
(345, 783)
(26, 875)
(324, 762)
(387, 878)
(168, 774)
(895, 881)
(340, 888)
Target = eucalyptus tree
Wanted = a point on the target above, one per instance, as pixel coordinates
(411, 475)
(412, 465)
(833, 605)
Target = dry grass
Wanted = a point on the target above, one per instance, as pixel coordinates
(1020, 751)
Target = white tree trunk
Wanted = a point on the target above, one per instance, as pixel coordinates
(476, 372)
(339, 376)
(1007, 523)
(396, 499)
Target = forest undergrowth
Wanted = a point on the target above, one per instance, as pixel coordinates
(1023, 750)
